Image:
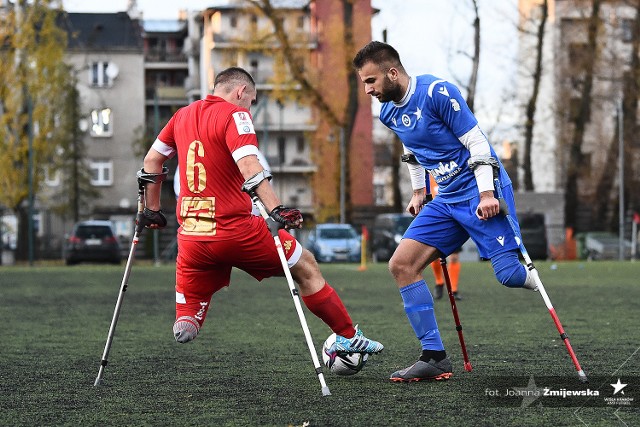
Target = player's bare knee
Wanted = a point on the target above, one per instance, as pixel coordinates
(185, 329)
(305, 269)
(393, 267)
(399, 269)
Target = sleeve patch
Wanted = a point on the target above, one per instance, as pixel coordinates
(244, 125)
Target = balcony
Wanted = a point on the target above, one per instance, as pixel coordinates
(294, 166)
(226, 40)
(260, 126)
(162, 55)
(166, 95)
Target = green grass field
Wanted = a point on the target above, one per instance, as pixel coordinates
(250, 365)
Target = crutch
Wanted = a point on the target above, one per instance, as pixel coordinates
(143, 179)
(534, 273)
(123, 288)
(294, 292)
(410, 158)
(454, 309)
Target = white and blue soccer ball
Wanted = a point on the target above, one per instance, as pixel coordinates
(341, 364)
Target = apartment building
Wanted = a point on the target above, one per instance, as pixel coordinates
(282, 121)
(134, 74)
(303, 151)
(105, 51)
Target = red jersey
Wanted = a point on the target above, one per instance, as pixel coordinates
(211, 204)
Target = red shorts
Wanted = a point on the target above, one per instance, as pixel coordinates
(204, 267)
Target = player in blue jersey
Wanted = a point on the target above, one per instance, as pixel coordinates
(440, 134)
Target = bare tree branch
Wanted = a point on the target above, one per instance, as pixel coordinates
(293, 61)
(533, 99)
(473, 79)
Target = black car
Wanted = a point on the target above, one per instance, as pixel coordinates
(93, 241)
(387, 233)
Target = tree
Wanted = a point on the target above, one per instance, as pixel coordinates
(582, 116)
(533, 98)
(75, 191)
(475, 59)
(32, 94)
(338, 113)
(606, 201)
(472, 81)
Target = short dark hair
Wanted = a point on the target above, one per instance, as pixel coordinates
(233, 76)
(381, 54)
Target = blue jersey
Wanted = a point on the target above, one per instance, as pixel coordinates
(429, 121)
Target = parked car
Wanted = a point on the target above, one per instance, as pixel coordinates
(335, 243)
(386, 234)
(93, 241)
(534, 234)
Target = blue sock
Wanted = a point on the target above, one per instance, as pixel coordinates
(418, 304)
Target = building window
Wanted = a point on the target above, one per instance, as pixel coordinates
(300, 22)
(281, 150)
(101, 122)
(379, 194)
(101, 172)
(300, 144)
(99, 74)
(233, 22)
(627, 29)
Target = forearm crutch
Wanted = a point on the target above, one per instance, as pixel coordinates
(123, 288)
(144, 178)
(294, 293)
(534, 273)
(454, 309)
(411, 159)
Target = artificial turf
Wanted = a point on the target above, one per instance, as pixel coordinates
(250, 366)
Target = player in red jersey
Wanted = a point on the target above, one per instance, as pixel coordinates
(218, 153)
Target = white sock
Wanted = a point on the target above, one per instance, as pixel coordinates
(185, 330)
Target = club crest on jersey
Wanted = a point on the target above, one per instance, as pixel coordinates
(406, 120)
(244, 125)
(455, 104)
(287, 245)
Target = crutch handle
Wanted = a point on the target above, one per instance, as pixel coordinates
(504, 209)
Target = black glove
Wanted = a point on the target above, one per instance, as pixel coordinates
(288, 217)
(148, 218)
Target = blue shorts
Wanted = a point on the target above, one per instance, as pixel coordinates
(446, 226)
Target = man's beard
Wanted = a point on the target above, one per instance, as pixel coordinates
(390, 91)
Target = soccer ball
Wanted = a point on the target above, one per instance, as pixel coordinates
(341, 364)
